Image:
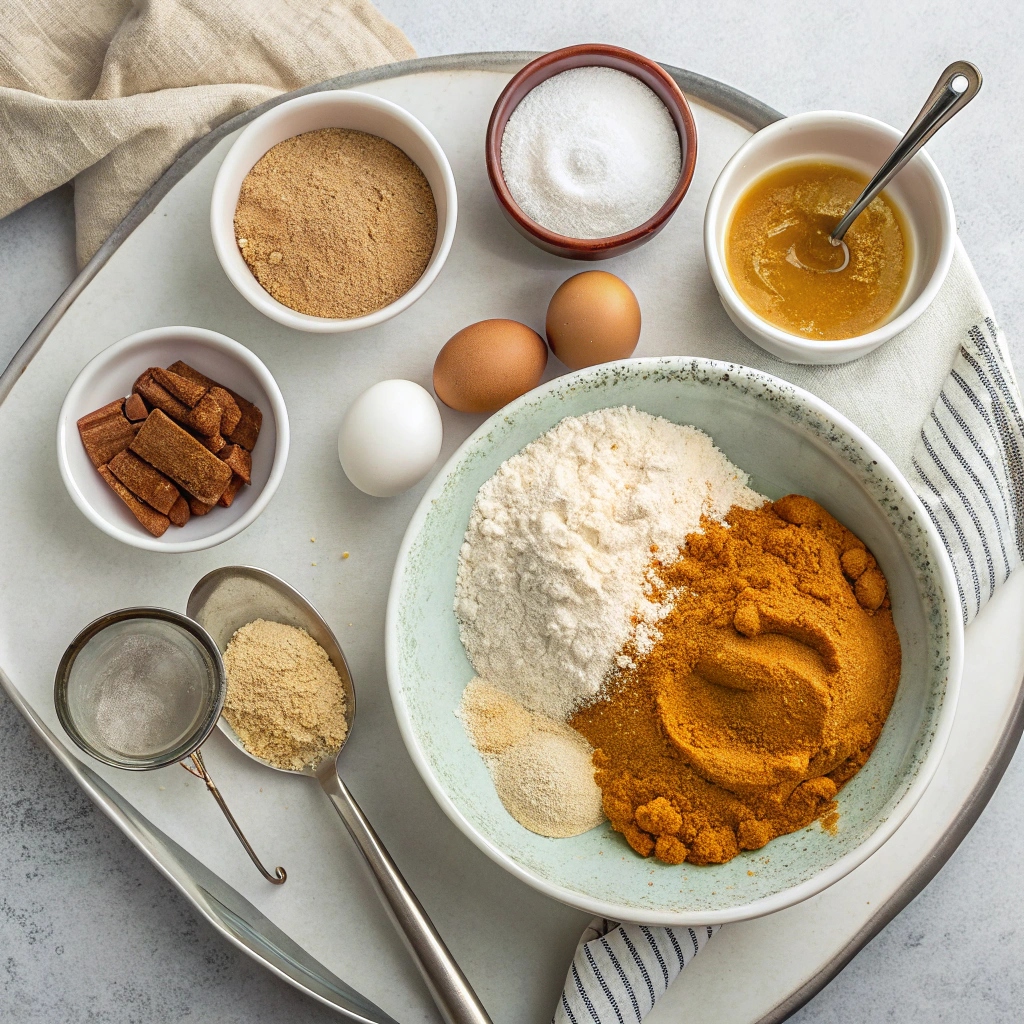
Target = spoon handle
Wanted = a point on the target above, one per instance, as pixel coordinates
(451, 991)
(943, 103)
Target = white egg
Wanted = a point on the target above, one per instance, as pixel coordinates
(390, 438)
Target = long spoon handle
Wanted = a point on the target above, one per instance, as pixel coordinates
(451, 991)
(943, 103)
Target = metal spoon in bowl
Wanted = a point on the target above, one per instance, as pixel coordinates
(222, 602)
(956, 87)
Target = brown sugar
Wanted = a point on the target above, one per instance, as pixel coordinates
(764, 695)
(336, 223)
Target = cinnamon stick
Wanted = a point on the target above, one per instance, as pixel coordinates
(204, 418)
(180, 513)
(144, 481)
(155, 522)
(135, 408)
(231, 414)
(106, 412)
(216, 444)
(239, 460)
(105, 432)
(197, 507)
(231, 492)
(185, 390)
(176, 453)
(248, 428)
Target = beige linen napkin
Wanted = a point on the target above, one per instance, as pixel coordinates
(109, 92)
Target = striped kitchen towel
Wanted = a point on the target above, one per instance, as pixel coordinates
(968, 467)
(621, 970)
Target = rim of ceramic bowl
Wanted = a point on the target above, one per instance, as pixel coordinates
(946, 588)
(846, 348)
(224, 197)
(237, 351)
(566, 59)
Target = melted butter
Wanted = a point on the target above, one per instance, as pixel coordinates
(782, 264)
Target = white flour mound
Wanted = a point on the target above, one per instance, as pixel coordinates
(552, 575)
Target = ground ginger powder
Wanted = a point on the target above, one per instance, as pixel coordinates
(285, 699)
(774, 673)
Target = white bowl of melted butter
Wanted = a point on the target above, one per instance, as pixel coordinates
(920, 214)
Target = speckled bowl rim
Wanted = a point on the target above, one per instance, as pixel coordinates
(880, 477)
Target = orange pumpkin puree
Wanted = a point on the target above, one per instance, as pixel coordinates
(766, 692)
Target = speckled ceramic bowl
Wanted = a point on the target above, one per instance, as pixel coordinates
(789, 441)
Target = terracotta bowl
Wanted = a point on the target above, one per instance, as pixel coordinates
(590, 55)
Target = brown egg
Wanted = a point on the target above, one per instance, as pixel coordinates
(593, 318)
(487, 364)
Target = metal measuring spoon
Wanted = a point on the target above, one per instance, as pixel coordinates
(222, 602)
(956, 87)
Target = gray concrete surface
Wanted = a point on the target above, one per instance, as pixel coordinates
(90, 932)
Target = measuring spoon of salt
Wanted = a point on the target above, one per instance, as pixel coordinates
(222, 602)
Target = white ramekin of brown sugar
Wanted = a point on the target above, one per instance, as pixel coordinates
(334, 109)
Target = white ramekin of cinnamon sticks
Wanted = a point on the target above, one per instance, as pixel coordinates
(173, 439)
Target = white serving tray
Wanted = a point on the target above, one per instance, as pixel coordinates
(325, 924)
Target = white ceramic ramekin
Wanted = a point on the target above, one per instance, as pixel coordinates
(862, 143)
(336, 109)
(110, 375)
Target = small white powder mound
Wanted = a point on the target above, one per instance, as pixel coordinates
(553, 568)
(591, 152)
(538, 783)
(542, 769)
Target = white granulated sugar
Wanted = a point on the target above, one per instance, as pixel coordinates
(590, 153)
(553, 569)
